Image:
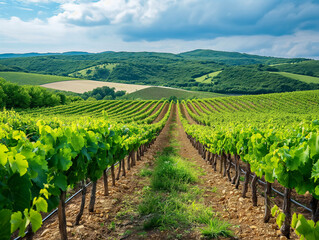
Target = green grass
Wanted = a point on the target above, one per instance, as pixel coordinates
(157, 93)
(174, 202)
(22, 78)
(303, 78)
(92, 70)
(207, 78)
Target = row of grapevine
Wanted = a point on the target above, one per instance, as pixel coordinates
(277, 146)
(125, 111)
(41, 159)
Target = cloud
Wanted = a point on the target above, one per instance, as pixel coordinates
(154, 20)
(107, 12)
(210, 19)
(268, 27)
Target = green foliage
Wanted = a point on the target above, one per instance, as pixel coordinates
(42, 157)
(105, 93)
(235, 58)
(15, 96)
(308, 68)
(280, 216)
(250, 80)
(305, 229)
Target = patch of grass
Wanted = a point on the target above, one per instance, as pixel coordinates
(303, 78)
(214, 189)
(207, 78)
(22, 78)
(145, 172)
(112, 226)
(217, 228)
(172, 174)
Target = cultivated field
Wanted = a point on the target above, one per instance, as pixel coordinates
(81, 86)
(22, 78)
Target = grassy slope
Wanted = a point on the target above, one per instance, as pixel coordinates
(310, 68)
(32, 78)
(83, 73)
(158, 93)
(303, 78)
(211, 76)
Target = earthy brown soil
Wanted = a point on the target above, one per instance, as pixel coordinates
(162, 114)
(192, 109)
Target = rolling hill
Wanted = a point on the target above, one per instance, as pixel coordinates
(161, 92)
(240, 73)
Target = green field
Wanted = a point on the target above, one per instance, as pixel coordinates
(159, 93)
(208, 77)
(92, 71)
(22, 78)
(303, 78)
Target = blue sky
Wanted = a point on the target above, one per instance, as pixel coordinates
(286, 28)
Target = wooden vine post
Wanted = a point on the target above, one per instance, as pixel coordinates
(113, 174)
(123, 165)
(128, 161)
(267, 202)
(106, 185)
(92, 199)
(229, 166)
(247, 175)
(62, 217)
(254, 190)
(224, 163)
(236, 168)
(79, 215)
(285, 228)
(119, 170)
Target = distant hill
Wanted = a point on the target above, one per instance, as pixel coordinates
(235, 58)
(33, 54)
(240, 73)
(159, 93)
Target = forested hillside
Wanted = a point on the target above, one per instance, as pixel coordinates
(239, 73)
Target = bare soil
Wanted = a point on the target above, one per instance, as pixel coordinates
(81, 86)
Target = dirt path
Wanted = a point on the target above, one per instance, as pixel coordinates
(162, 114)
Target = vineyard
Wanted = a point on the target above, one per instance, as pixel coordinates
(270, 142)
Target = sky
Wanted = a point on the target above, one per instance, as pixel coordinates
(283, 28)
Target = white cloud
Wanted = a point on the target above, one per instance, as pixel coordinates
(169, 26)
(112, 11)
